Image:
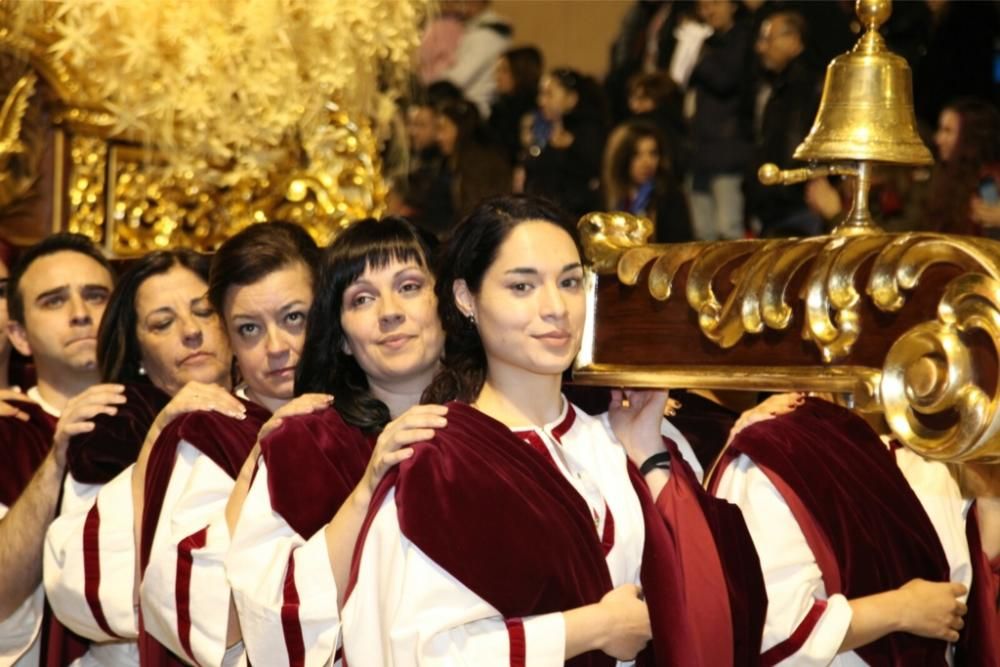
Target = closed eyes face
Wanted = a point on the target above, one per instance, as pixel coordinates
(266, 322)
(530, 308)
(179, 333)
(391, 326)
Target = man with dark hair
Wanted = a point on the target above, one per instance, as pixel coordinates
(784, 113)
(57, 294)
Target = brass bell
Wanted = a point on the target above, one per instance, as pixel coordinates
(866, 112)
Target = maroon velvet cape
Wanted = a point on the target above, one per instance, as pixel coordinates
(227, 442)
(314, 461)
(96, 458)
(980, 640)
(861, 518)
(25, 445)
(498, 516)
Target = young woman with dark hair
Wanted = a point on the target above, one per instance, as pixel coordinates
(374, 342)
(261, 283)
(963, 197)
(520, 533)
(476, 167)
(567, 169)
(518, 72)
(639, 179)
(159, 335)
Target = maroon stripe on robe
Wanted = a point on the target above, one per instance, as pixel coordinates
(98, 456)
(314, 461)
(980, 640)
(847, 491)
(714, 546)
(503, 520)
(24, 446)
(227, 442)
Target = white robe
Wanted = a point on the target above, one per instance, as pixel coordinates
(184, 591)
(89, 568)
(791, 574)
(19, 632)
(277, 610)
(407, 610)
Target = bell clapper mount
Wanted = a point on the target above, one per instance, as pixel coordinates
(859, 219)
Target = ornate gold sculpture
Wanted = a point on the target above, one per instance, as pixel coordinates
(938, 383)
(217, 114)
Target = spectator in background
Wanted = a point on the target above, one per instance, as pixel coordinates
(720, 135)
(475, 167)
(485, 37)
(567, 169)
(964, 184)
(638, 178)
(416, 194)
(791, 100)
(655, 98)
(517, 74)
(645, 44)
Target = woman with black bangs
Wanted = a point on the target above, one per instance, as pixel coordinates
(374, 342)
(519, 534)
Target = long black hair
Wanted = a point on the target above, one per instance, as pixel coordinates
(467, 256)
(325, 367)
(118, 354)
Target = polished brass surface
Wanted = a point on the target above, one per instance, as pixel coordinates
(929, 370)
(866, 112)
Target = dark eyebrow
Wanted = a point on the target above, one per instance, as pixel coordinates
(524, 270)
(96, 288)
(55, 291)
(570, 267)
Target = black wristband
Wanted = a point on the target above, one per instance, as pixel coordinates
(660, 461)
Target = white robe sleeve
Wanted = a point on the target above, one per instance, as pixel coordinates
(283, 586)
(89, 560)
(184, 592)
(406, 610)
(19, 632)
(795, 591)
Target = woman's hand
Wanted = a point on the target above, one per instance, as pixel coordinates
(635, 417)
(8, 410)
(778, 404)
(195, 396)
(415, 425)
(932, 609)
(77, 417)
(300, 405)
(987, 215)
(628, 622)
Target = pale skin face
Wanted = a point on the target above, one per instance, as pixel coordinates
(447, 135)
(777, 45)
(4, 340)
(180, 335)
(946, 137)
(554, 100)
(391, 325)
(504, 77)
(64, 296)
(420, 126)
(266, 323)
(530, 308)
(717, 14)
(645, 161)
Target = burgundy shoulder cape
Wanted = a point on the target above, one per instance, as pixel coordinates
(24, 446)
(498, 516)
(314, 461)
(98, 456)
(225, 440)
(861, 518)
